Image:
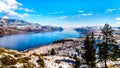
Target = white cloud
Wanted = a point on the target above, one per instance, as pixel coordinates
(12, 2)
(27, 10)
(110, 10)
(8, 7)
(86, 14)
(23, 15)
(13, 13)
(83, 14)
(28, 20)
(118, 19)
(54, 13)
(63, 17)
(116, 24)
(10, 13)
(38, 15)
(6, 17)
(59, 12)
(80, 11)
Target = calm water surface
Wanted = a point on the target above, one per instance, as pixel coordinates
(25, 41)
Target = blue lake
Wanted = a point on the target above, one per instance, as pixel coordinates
(26, 41)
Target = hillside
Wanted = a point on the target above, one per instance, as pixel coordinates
(86, 30)
(60, 54)
(72, 48)
(15, 59)
(14, 26)
(42, 57)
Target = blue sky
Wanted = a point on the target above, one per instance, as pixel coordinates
(66, 13)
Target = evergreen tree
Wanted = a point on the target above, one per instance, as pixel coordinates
(89, 55)
(93, 51)
(52, 52)
(108, 50)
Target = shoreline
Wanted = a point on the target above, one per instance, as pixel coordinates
(24, 33)
(38, 45)
(52, 43)
(66, 39)
(45, 48)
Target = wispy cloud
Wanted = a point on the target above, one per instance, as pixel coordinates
(38, 15)
(81, 11)
(53, 13)
(27, 10)
(116, 24)
(13, 13)
(8, 7)
(84, 14)
(118, 19)
(57, 12)
(110, 10)
(63, 17)
(6, 17)
(87, 14)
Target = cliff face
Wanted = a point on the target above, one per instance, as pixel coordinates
(14, 26)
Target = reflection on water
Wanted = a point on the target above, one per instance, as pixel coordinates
(25, 41)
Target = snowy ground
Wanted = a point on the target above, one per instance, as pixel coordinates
(65, 62)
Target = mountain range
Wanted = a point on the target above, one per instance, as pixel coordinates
(15, 26)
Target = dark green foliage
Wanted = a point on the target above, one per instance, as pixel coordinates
(52, 52)
(119, 51)
(23, 60)
(89, 47)
(77, 63)
(108, 50)
(28, 65)
(35, 54)
(57, 61)
(41, 62)
(75, 56)
(60, 67)
(8, 60)
(2, 50)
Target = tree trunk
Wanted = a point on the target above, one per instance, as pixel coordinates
(106, 53)
(105, 63)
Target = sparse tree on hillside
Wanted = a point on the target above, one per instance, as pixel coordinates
(108, 50)
(93, 51)
(89, 46)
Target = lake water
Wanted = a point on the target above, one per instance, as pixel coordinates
(26, 41)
